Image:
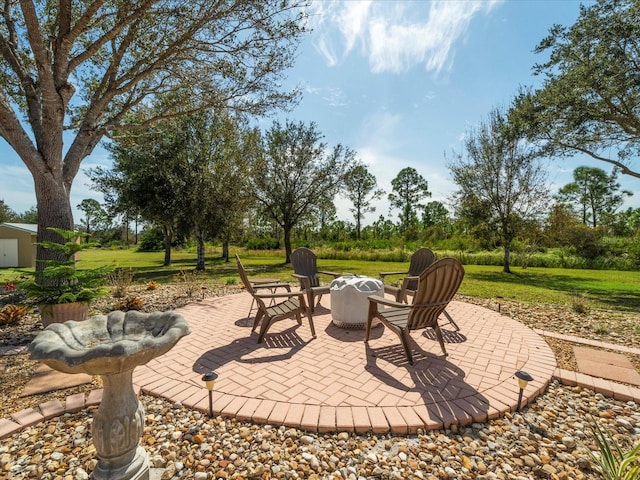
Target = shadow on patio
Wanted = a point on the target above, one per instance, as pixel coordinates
(336, 382)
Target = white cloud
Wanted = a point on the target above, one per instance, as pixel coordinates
(312, 90)
(352, 21)
(395, 36)
(332, 96)
(335, 97)
(325, 49)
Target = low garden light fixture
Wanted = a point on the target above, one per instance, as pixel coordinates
(209, 379)
(499, 301)
(523, 379)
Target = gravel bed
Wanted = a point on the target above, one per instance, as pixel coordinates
(548, 440)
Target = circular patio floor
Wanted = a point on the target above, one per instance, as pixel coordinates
(336, 382)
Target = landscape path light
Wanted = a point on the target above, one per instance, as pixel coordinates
(523, 379)
(499, 301)
(209, 379)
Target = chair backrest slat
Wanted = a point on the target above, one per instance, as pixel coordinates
(305, 262)
(420, 260)
(436, 288)
(243, 276)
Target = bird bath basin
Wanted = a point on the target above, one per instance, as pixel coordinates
(112, 346)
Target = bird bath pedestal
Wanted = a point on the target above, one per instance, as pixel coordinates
(112, 346)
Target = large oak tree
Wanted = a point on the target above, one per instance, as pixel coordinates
(590, 98)
(86, 66)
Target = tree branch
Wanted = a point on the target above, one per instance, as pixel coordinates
(616, 163)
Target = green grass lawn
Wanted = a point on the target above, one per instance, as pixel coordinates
(608, 289)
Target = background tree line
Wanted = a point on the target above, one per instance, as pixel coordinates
(187, 164)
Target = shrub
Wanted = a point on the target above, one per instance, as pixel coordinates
(120, 281)
(152, 285)
(587, 242)
(129, 303)
(151, 240)
(190, 280)
(263, 243)
(601, 328)
(12, 314)
(579, 303)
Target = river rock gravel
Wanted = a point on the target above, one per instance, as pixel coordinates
(548, 440)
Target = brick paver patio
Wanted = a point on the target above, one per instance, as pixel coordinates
(336, 382)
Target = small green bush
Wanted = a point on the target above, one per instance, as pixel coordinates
(263, 243)
(151, 240)
(579, 304)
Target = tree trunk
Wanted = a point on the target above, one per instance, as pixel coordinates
(54, 210)
(200, 262)
(168, 237)
(506, 267)
(287, 244)
(225, 250)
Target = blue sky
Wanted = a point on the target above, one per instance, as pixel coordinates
(399, 82)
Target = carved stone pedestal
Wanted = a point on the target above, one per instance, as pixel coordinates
(117, 429)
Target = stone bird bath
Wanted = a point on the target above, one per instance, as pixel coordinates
(112, 346)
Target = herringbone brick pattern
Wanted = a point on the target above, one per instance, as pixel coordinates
(336, 382)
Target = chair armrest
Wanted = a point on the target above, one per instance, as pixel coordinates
(408, 278)
(305, 281)
(280, 295)
(270, 286)
(386, 301)
(333, 274)
(383, 274)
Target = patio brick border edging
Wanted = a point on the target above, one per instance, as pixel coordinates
(74, 403)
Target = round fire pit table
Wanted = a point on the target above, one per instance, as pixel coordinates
(350, 300)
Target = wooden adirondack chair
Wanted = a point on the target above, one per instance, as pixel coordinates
(305, 268)
(288, 305)
(420, 260)
(436, 287)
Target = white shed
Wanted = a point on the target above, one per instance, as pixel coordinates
(17, 247)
